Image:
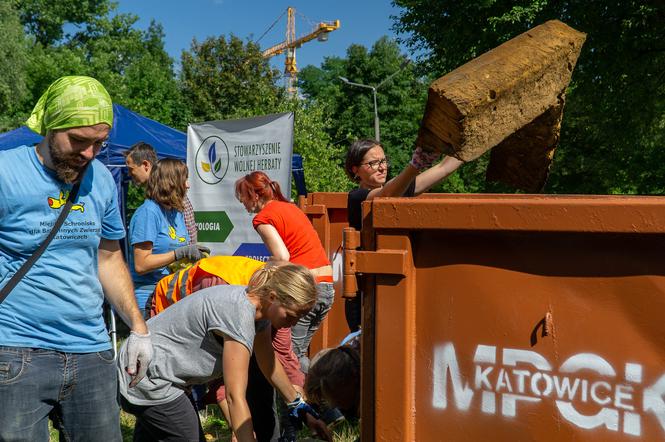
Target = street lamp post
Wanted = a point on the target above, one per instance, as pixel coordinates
(377, 133)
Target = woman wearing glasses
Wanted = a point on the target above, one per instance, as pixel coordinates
(366, 164)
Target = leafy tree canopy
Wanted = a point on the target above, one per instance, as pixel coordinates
(400, 101)
(45, 19)
(612, 136)
(225, 78)
(131, 63)
(13, 62)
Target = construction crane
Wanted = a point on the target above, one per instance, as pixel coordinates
(320, 32)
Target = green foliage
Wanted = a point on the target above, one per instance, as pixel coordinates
(132, 64)
(350, 110)
(45, 19)
(135, 197)
(225, 78)
(222, 77)
(322, 161)
(612, 134)
(13, 62)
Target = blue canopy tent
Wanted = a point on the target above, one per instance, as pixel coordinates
(129, 128)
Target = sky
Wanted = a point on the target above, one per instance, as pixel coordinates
(362, 22)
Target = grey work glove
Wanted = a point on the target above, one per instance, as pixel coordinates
(422, 160)
(193, 252)
(139, 355)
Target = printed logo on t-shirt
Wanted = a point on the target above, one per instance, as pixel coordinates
(57, 203)
(173, 235)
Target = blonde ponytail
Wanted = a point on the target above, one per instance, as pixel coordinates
(294, 284)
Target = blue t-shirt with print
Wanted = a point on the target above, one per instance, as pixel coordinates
(166, 230)
(58, 303)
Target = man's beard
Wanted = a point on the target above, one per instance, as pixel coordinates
(67, 166)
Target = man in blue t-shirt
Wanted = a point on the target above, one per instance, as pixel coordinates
(55, 354)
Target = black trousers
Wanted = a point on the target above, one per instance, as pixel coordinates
(261, 402)
(174, 421)
(179, 421)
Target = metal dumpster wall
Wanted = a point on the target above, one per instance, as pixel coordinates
(518, 318)
(328, 213)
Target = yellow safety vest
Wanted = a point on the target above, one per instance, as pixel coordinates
(235, 270)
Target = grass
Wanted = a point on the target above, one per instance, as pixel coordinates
(214, 425)
(217, 430)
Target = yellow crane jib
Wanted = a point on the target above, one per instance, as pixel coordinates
(320, 32)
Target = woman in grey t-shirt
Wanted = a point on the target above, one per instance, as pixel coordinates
(212, 335)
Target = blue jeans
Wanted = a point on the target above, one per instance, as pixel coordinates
(78, 390)
(302, 332)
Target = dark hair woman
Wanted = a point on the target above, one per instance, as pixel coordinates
(366, 163)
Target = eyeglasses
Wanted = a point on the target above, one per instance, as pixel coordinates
(374, 165)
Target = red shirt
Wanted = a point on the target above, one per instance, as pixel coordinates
(296, 231)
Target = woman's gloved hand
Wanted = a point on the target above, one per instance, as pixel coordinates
(422, 160)
(193, 252)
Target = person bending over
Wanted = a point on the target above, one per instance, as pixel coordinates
(289, 236)
(211, 335)
(232, 270)
(334, 377)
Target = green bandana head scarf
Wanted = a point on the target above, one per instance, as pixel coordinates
(73, 101)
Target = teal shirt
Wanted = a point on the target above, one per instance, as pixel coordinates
(166, 230)
(58, 304)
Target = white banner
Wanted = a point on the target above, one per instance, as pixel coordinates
(220, 152)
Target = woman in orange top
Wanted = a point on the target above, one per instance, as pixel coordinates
(289, 236)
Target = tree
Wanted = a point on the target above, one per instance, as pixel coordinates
(13, 61)
(225, 78)
(45, 19)
(132, 64)
(401, 103)
(322, 160)
(612, 134)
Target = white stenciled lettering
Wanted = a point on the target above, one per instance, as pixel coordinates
(546, 382)
(503, 382)
(521, 375)
(482, 381)
(583, 378)
(445, 361)
(606, 416)
(653, 400)
(563, 387)
(595, 392)
(624, 393)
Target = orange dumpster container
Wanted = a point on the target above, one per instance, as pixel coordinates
(328, 214)
(511, 318)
